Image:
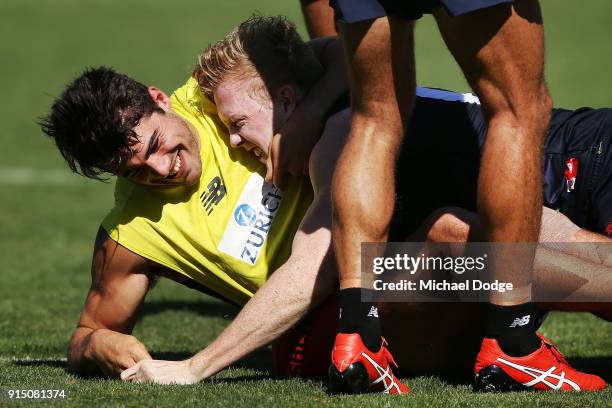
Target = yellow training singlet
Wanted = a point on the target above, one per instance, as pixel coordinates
(228, 232)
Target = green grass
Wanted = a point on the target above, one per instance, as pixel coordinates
(47, 228)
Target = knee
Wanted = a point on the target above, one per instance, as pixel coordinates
(543, 105)
(528, 109)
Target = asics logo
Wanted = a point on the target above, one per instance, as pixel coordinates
(540, 376)
(520, 321)
(384, 375)
(373, 312)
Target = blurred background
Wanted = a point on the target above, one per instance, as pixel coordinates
(49, 217)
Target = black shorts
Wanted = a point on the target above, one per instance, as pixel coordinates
(438, 162)
(351, 11)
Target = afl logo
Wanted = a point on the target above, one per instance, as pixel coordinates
(244, 215)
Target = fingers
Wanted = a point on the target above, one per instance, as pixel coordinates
(129, 374)
(269, 169)
(276, 171)
(159, 372)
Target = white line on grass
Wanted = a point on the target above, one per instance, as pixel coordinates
(30, 176)
(29, 359)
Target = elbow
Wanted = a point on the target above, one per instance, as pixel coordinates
(78, 352)
(74, 355)
(74, 360)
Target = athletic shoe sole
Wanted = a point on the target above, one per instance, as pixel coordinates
(353, 380)
(494, 379)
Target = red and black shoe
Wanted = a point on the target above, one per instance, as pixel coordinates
(356, 370)
(544, 369)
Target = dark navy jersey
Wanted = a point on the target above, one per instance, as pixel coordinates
(440, 159)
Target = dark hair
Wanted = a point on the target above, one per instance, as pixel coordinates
(269, 46)
(92, 120)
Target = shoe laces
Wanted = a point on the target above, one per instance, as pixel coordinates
(388, 355)
(553, 349)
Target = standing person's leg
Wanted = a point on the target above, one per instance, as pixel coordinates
(501, 52)
(364, 185)
(380, 59)
(319, 18)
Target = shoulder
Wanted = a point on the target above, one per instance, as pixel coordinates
(324, 45)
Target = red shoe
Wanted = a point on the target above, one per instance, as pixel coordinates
(356, 370)
(544, 369)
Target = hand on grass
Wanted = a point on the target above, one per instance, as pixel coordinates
(113, 352)
(160, 372)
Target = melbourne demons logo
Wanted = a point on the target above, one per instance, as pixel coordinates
(246, 233)
(571, 171)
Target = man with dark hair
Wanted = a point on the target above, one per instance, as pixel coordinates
(93, 137)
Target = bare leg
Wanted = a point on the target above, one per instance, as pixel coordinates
(380, 60)
(381, 99)
(501, 52)
(567, 267)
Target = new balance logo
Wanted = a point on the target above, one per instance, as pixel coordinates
(214, 195)
(520, 321)
(540, 376)
(373, 312)
(384, 376)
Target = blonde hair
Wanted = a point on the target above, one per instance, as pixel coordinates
(268, 47)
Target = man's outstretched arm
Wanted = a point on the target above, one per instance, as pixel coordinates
(301, 283)
(102, 341)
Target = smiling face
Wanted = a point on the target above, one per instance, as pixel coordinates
(166, 150)
(250, 115)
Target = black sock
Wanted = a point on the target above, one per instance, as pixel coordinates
(514, 328)
(360, 317)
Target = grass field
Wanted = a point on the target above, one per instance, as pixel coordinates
(48, 217)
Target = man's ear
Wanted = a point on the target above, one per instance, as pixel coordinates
(160, 98)
(287, 98)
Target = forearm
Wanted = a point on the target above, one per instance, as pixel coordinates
(289, 294)
(322, 97)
